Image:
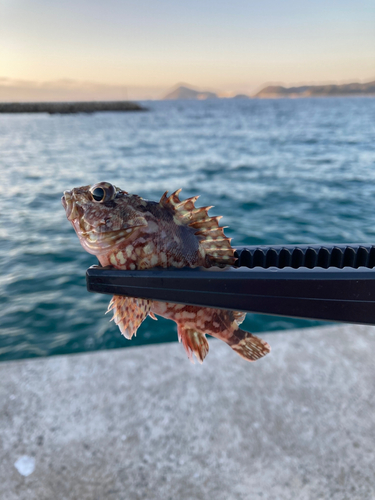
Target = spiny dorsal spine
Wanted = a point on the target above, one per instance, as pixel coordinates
(211, 236)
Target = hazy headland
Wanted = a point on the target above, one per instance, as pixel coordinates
(349, 89)
(278, 91)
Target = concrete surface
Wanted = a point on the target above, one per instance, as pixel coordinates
(144, 423)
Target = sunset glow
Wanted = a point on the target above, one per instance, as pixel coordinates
(124, 49)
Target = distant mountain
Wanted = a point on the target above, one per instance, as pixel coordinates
(348, 89)
(183, 92)
(241, 96)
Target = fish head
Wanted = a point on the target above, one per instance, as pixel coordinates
(103, 216)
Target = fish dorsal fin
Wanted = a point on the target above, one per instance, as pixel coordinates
(212, 241)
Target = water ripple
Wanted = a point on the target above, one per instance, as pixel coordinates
(280, 171)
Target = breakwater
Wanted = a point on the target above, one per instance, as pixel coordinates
(69, 107)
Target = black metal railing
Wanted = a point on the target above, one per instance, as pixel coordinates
(332, 283)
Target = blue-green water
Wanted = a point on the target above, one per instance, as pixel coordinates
(280, 171)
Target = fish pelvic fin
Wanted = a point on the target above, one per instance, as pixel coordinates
(129, 313)
(194, 342)
(247, 345)
(214, 247)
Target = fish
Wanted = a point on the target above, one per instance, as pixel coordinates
(127, 232)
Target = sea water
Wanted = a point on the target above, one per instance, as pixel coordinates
(279, 171)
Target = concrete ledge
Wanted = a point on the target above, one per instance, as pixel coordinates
(144, 423)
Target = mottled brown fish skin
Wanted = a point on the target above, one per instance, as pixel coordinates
(127, 232)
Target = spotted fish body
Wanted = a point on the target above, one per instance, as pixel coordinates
(127, 232)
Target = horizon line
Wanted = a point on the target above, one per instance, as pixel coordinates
(68, 89)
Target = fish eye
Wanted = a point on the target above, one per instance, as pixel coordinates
(102, 192)
(98, 194)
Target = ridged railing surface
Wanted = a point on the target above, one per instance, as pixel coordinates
(309, 256)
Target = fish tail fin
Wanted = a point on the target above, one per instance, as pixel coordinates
(214, 247)
(247, 345)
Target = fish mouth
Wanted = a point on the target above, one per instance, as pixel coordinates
(95, 239)
(70, 206)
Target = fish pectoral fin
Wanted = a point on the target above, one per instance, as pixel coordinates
(129, 313)
(193, 342)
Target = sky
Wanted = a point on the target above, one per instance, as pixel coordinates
(141, 49)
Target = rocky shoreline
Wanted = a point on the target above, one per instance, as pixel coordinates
(69, 107)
